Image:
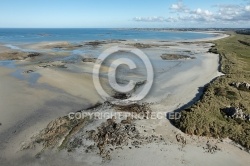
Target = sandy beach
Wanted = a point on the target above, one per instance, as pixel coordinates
(36, 90)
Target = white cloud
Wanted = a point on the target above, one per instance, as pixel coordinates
(155, 19)
(150, 19)
(247, 8)
(225, 13)
(175, 7)
(179, 7)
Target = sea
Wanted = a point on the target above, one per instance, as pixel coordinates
(16, 38)
(11, 36)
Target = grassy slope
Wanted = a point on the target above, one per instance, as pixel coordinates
(205, 118)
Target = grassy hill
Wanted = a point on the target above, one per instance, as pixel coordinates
(205, 118)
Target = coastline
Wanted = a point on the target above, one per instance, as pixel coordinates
(234, 64)
(161, 127)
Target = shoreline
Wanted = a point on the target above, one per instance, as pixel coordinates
(162, 127)
(230, 74)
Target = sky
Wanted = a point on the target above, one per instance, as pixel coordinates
(124, 14)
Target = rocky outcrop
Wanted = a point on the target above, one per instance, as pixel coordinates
(33, 54)
(95, 43)
(69, 46)
(90, 60)
(142, 110)
(241, 85)
(113, 135)
(141, 45)
(57, 64)
(56, 133)
(18, 55)
(213, 50)
(210, 148)
(235, 113)
(103, 138)
(175, 57)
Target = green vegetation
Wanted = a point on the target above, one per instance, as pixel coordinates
(205, 117)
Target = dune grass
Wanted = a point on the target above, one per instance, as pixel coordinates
(205, 118)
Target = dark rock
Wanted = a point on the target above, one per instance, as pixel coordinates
(33, 54)
(175, 57)
(235, 113)
(92, 60)
(95, 43)
(29, 71)
(213, 50)
(121, 96)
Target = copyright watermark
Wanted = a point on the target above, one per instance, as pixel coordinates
(124, 115)
(112, 79)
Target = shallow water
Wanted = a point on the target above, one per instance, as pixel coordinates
(77, 35)
(18, 73)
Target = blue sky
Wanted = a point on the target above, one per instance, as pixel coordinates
(123, 13)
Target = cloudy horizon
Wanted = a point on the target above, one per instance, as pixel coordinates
(224, 14)
(124, 14)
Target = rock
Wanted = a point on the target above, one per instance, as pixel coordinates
(0, 124)
(91, 60)
(77, 142)
(230, 111)
(56, 132)
(140, 45)
(211, 148)
(95, 43)
(236, 113)
(124, 122)
(175, 57)
(33, 54)
(121, 96)
(213, 50)
(143, 110)
(29, 71)
(44, 65)
(135, 143)
(112, 120)
(114, 134)
(181, 139)
(241, 85)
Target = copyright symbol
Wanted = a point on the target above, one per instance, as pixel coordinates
(112, 74)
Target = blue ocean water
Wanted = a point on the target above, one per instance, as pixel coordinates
(77, 35)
